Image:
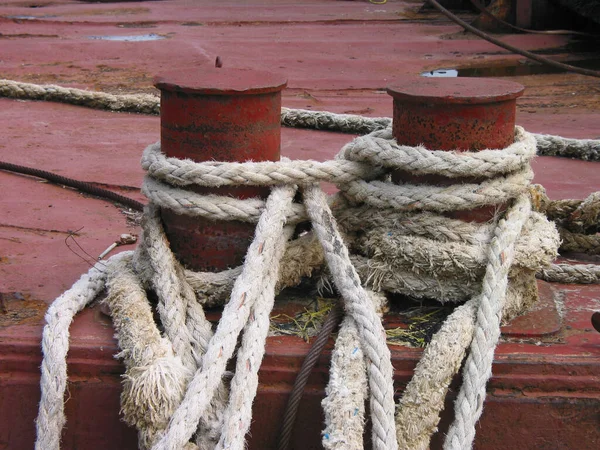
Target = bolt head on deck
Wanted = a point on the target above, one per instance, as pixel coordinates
(220, 114)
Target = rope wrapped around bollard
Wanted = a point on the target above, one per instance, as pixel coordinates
(549, 145)
(388, 238)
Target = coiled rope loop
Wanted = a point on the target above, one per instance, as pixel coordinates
(389, 237)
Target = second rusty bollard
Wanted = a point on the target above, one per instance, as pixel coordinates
(454, 114)
(218, 114)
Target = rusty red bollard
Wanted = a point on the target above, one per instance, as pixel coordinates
(454, 114)
(459, 114)
(218, 114)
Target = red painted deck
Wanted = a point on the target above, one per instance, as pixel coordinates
(338, 56)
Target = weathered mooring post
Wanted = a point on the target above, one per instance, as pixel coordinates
(218, 114)
(466, 114)
(460, 114)
(455, 114)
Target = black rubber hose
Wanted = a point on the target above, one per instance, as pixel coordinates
(499, 43)
(291, 411)
(70, 182)
(596, 321)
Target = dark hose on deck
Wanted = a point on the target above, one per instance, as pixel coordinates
(76, 184)
(499, 43)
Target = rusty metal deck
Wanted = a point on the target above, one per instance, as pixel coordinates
(338, 56)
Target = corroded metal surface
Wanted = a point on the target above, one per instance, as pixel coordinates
(455, 113)
(218, 114)
(464, 114)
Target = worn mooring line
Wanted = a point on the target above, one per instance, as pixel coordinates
(198, 405)
(154, 253)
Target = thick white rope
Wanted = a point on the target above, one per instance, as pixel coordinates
(184, 172)
(379, 149)
(244, 384)
(213, 207)
(356, 161)
(464, 196)
(425, 224)
(535, 248)
(375, 193)
(378, 194)
(262, 254)
(572, 273)
(172, 306)
(155, 378)
(347, 390)
(423, 399)
(140, 103)
(324, 120)
(183, 319)
(55, 345)
(586, 149)
(424, 248)
(478, 367)
(362, 310)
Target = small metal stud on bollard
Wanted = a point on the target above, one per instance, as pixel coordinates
(220, 114)
(454, 114)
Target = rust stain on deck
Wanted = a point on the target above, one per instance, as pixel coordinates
(18, 308)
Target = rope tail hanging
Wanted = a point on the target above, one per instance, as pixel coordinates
(373, 238)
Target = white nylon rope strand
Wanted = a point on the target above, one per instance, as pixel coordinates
(183, 318)
(261, 255)
(478, 367)
(55, 345)
(244, 385)
(362, 310)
